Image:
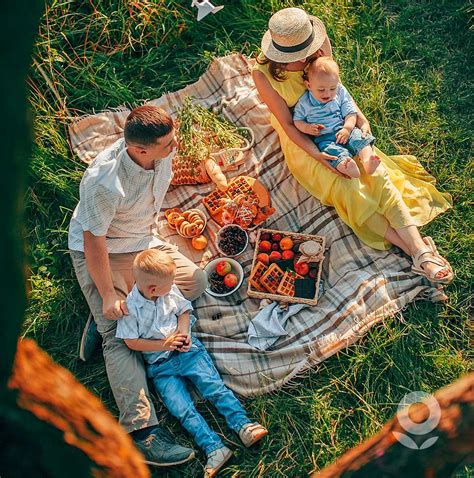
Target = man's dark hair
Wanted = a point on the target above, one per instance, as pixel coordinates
(145, 125)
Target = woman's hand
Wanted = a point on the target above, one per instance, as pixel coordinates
(324, 159)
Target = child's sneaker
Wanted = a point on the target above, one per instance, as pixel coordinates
(216, 460)
(251, 433)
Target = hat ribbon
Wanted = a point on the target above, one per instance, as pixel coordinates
(295, 48)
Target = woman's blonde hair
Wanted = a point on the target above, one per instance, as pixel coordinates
(153, 262)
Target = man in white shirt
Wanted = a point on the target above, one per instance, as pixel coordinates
(121, 194)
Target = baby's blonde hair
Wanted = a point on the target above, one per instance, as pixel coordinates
(325, 65)
(153, 263)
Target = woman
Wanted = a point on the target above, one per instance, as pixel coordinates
(383, 209)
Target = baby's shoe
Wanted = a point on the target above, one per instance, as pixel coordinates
(216, 460)
(251, 433)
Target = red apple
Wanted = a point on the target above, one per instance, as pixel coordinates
(230, 280)
(223, 268)
(287, 255)
(263, 258)
(266, 236)
(302, 268)
(275, 256)
(276, 237)
(265, 246)
(275, 246)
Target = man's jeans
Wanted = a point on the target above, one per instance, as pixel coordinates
(169, 377)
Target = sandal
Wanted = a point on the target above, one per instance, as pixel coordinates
(430, 254)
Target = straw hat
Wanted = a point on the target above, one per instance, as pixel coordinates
(292, 35)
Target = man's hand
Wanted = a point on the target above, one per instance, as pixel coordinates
(175, 341)
(342, 136)
(113, 308)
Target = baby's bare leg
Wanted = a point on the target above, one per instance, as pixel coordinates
(369, 159)
(349, 168)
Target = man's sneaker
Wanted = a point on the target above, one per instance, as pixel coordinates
(251, 433)
(216, 460)
(160, 450)
(90, 340)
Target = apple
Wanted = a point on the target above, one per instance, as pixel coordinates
(223, 268)
(275, 246)
(287, 255)
(230, 280)
(265, 246)
(275, 256)
(276, 237)
(263, 258)
(302, 268)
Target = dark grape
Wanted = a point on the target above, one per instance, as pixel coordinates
(216, 284)
(232, 240)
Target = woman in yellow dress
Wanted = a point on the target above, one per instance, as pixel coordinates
(383, 209)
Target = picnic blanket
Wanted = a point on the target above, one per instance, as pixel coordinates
(362, 286)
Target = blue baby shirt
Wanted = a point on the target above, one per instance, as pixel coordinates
(330, 114)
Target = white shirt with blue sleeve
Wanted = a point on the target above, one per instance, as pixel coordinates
(330, 114)
(153, 319)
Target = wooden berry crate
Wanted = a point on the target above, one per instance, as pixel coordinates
(296, 237)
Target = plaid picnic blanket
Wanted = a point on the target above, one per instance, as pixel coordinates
(362, 286)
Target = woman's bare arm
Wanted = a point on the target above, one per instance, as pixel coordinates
(280, 110)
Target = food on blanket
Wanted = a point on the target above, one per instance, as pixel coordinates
(310, 248)
(271, 279)
(275, 246)
(216, 284)
(265, 246)
(231, 280)
(287, 284)
(302, 268)
(313, 273)
(255, 276)
(264, 258)
(245, 202)
(188, 223)
(266, 236)
(275, 256)
(287, 255)
(286, 244)
(232, 240)
(223, 268)
(199, 242)
(276, 237)
(215, 174)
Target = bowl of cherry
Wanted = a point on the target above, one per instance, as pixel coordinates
(232, 240)
(224, 275)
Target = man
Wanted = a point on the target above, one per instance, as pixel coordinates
(121, 194)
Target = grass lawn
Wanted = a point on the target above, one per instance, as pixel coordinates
(407, 64)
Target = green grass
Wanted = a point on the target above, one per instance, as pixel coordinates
(407, 64)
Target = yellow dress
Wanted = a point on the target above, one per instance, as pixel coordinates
(400, 194)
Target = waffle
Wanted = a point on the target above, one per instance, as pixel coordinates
(213, 202)
(257, 272)
(287, 284)
(271, 278)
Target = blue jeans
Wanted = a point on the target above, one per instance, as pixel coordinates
(355, 143)
(169, 377)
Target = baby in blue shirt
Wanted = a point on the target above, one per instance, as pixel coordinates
(328, 112)
(159, 325)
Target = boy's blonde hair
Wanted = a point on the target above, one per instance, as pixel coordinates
(154, 263)
(325, 65)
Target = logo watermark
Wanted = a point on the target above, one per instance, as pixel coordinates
(414, 428)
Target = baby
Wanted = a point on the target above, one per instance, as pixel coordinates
(159, 325)
(328, 112)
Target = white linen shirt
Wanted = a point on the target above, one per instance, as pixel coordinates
(153, 319)
(121, 201)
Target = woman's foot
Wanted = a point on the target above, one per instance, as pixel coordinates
(349, 168)
(216, 460)
(251, 433)
(428, 263)
(371, 164)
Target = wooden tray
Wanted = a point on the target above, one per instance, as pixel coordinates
(296, 237)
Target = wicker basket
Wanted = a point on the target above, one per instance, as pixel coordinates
(296, 237)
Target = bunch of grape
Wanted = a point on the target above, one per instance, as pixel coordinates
(216, 283)
(232, 240)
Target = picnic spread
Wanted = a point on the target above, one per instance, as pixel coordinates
(271, 242)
